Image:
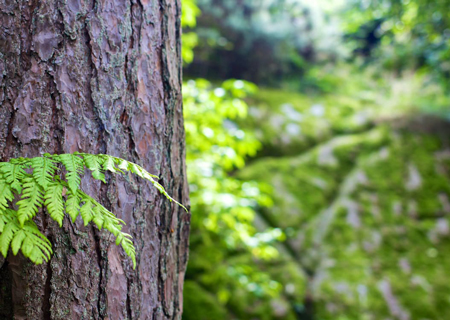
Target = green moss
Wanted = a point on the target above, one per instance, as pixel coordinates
(359, 204)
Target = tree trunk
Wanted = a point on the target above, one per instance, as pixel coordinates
(98, 76)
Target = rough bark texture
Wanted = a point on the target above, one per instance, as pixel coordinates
(98, 76)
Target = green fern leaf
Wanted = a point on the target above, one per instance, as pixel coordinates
(103, 218)
(132, 167)
(75, 167)
(13, 173)
(31, 200)
(33, 244)
(3, 221)
(72, 205)
(5, 194)
(5, 216)
(98, 218)
(122, 238)
(94, 163)
(125, 165)
(19, 232)
(43, 170)
(54, 201)
(129, 249)
(39, 241)
(7, 236)
(109, 163)
(86, 211)
(17, 241)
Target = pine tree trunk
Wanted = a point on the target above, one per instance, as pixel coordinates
(98, 76)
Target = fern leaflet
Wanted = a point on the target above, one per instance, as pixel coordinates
(31, 200)
(86, 210)
(6, 194)
(43, 170)
(13, 173)
(94, 163)
(54, 201)
(72, 205)
(75, 167)
(125, 165)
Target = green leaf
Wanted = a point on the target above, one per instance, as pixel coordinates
(7, 236)
(16, 243)
(94, 163)
(129, 249)
(54, 201)
(31, 200)
(43, 170)
(13, 174)
(72, 205)
(6, 194)
(109, 164)
(87, 210)
(139, 171)
(33, 244)
(75, 168)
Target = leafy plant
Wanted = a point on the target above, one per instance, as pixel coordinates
(225, 245)
(41, 182)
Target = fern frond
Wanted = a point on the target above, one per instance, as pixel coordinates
(16, 242)
(38, 239)
(86, 210)
(43, 170)
(6, 216)
(98, 218)
(125, 165)
(94, 163)
(122, 238)
(43, 186)
(109, 163)
(72, 205)
(7, 236)
(33, 244)
(13, 173)
(54, 201)
(129, 249)
(6, 194)
(74, 167)
(103, 218)
(130, 166)
(141, 172)
(31, 200)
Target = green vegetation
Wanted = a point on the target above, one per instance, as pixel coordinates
(41, 181)
(325, 192)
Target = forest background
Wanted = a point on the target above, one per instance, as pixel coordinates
(318, 159)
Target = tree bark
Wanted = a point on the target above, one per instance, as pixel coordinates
(98, 76)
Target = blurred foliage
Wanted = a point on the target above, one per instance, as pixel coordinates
(263, 41)
(189, 40)
(224, 243)
(409, 34)
(325, 193)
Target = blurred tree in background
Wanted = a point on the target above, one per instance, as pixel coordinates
(405, 34)
(325, 193)
(264, 41)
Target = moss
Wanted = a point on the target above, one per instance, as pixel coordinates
(359, 202)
